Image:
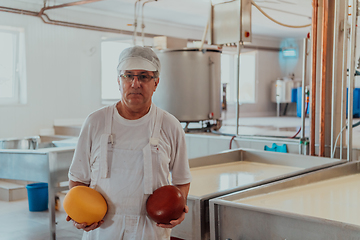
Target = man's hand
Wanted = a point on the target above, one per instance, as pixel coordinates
(83, 226)
(173, 223)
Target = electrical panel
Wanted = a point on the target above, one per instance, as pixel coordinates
(230, 22)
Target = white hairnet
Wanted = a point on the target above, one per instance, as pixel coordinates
(138, 58)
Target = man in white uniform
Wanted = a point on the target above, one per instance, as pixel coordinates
(128, 150)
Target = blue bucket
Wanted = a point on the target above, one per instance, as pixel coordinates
(38, 196)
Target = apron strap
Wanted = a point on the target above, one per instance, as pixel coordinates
(105, 140)
(147, 155)
(154, 140)
(148, 176)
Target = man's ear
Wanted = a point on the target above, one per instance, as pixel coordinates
(156, 84)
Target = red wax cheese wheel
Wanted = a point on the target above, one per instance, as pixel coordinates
(85, 205)
(165, 204)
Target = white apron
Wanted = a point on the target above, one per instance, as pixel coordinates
(126, 179)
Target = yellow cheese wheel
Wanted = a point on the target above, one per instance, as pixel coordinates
(85, 205)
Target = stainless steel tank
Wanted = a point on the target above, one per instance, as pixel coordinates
(190, 86)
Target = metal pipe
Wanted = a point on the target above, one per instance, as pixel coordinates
(271, 49)
(351, 77)
(313, 76)
(70, 4)
(334, 74)
(48, 20)
(142, 22)
(204, 35)
(303, 113)
(239, 46)
(65, 5)
(344, 76)
(324, 45)
(18, 11)
(135, 21)
(76, 25)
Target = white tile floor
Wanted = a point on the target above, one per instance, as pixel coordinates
(17, 222)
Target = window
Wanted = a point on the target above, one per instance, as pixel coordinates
(12, 66)
(247, 93)
(247, 77)
(110, 51)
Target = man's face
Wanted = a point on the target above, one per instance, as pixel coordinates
(137, 87)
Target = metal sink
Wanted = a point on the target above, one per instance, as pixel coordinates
(33, 142)
(39, 159)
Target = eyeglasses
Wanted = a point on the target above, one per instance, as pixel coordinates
(143, 78)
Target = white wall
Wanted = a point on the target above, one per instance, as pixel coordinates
(264, 76)
(268, 69)
(62, 81)
(272, 66)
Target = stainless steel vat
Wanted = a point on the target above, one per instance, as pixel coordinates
(26, 159)
(196, 224)
(231, 219)
(190, 84)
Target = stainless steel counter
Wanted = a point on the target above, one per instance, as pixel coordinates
(49, 164)
(319, 205)
(236, 170)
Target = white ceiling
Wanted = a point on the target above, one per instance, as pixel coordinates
(196, 12)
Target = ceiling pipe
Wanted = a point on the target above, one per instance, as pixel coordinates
(142, 21)
(47, 20)
(72, 4)
(67, 5)
(135, 21)
(19, 11)
(313, 76)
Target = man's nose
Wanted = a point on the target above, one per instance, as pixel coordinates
(135, 82)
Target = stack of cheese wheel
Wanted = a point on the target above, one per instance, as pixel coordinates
(85, 205)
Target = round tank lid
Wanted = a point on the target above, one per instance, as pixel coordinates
(189, 50)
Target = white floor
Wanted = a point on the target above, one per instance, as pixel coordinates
(18, 223)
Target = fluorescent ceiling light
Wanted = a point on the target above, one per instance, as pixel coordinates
(289, 52)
